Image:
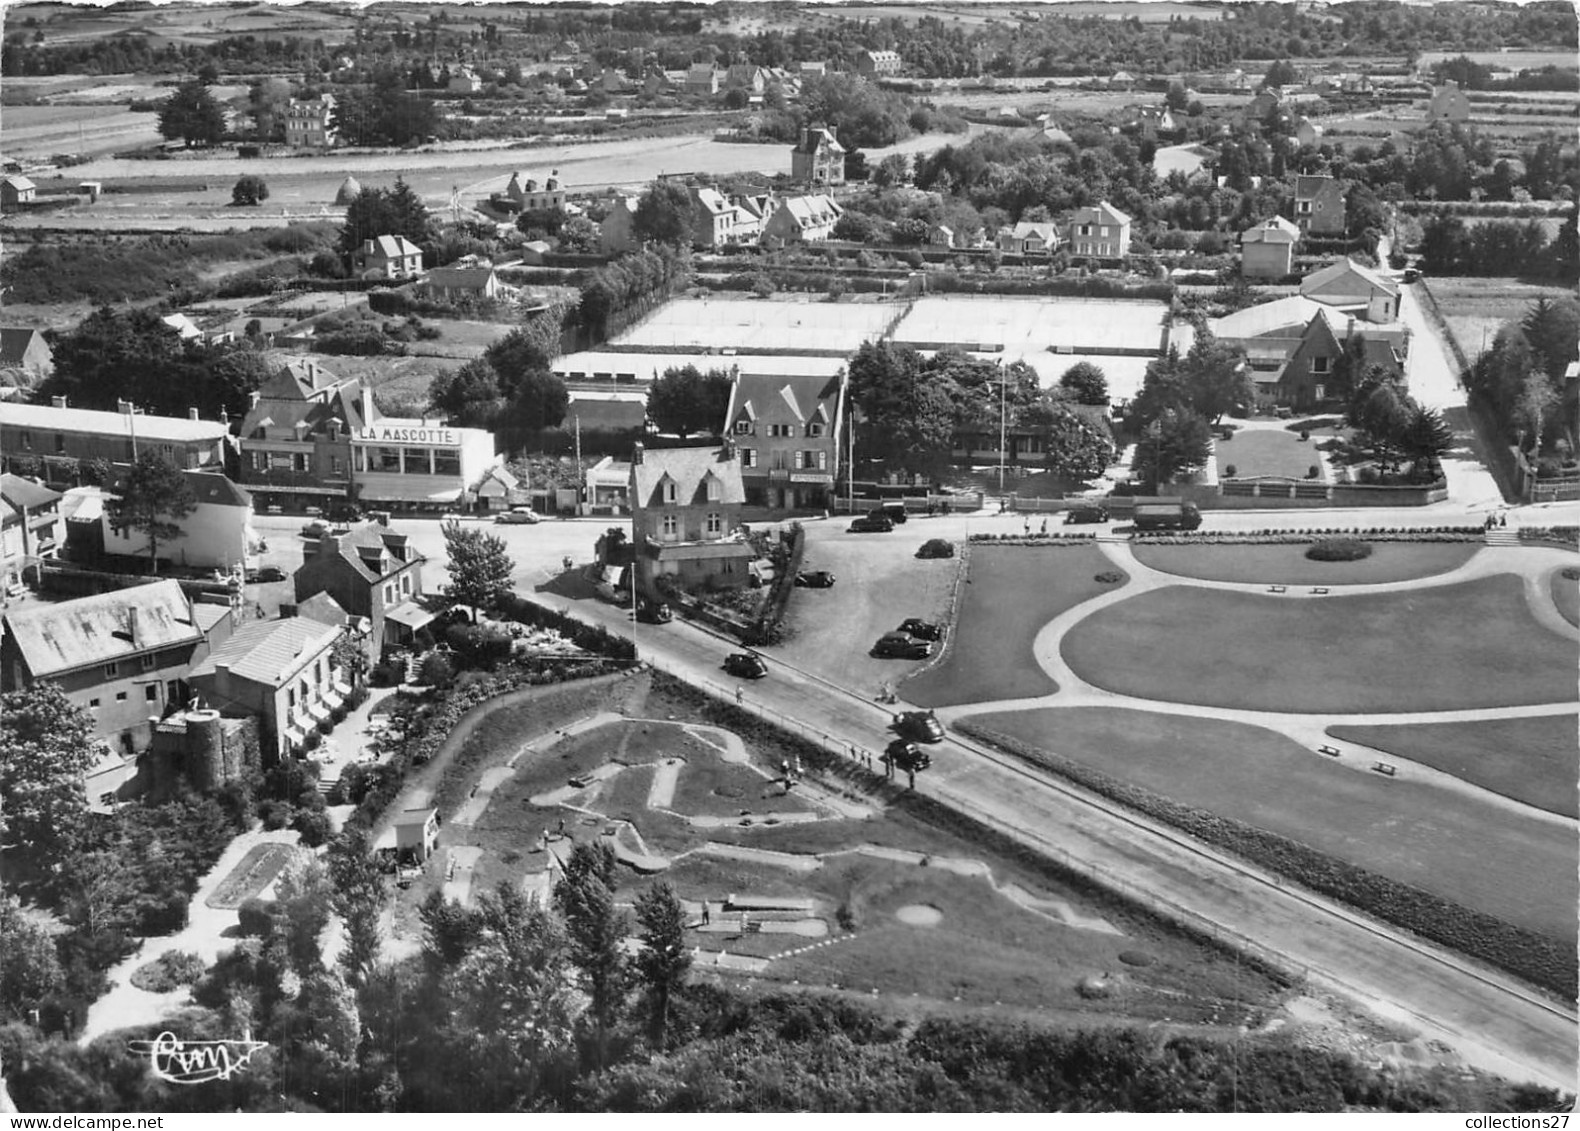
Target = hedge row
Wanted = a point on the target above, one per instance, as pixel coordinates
(1525, 953)
(1036, 539)
(1302, 537)
(1565, 535)
(769, 627)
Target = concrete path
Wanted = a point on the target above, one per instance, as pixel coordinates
(123, 1004)
(460, 863)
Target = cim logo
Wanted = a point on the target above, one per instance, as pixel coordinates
(196, 1062)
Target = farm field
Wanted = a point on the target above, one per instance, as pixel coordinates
(975, 929)
(1475, 309)
(1445, 648)
(753, 325)
(1531, 760)
(1014, 592)
(1515, 60)
(1523, 872)
(1266, 452)
(1288, 564)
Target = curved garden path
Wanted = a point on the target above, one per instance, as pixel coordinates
(1532, 564)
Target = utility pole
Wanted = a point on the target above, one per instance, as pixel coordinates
(1003, 399)
(581, 472)
(850, 459)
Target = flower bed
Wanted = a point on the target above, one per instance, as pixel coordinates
(1302, 537)
(1535, 957)
(1036, 539)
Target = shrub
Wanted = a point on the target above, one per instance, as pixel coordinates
(436, 670)
(257, 917)
(1305, 434)
(1230, 471)
(1109, 577)
(314, 827)
(249, 190)
(170, 971)
(1313, 472)
(276, 815)
(936, 548)
(1339, 550)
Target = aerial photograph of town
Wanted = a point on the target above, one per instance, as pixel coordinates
(789, 557)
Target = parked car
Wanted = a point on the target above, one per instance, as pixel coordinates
(919, 726)
(654, 612)
(907, 756)
(315, 529)
(898, 646)
(921, 629)
(745, 665)
(264, 574)
(894, 512)
(518, 516)
(345, 512)
(872, 524)
(815, 579)
(1412, 275)
(1086, 513)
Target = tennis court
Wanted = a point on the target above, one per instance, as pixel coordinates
(756, 325)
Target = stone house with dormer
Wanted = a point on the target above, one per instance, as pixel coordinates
(371, 572)
(1319, 206)
(818, 158)
(788, 432)
(685, 517)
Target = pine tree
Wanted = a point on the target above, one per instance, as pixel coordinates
(479, 566)
(664, 960)
(585, 898)
(152, 500)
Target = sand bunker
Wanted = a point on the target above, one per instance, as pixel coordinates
(920, 915)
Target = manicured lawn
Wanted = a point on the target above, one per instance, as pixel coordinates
(1013, 592)
(1444, 648)
(1531, 760)
(1566, 595)
(1288, 565)
(1521, 871)
(1267, 451)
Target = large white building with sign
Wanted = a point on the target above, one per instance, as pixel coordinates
(407, 463)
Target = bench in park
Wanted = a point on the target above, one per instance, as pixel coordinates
(1276, 588)
(1328, 750)
(1385, 769)
(1319, 591)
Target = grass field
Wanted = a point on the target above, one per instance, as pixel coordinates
(1531, 760)
(1515, 60)
(1440, 649)
(1014, 592)
(1288, 565)
(1024, 326)
(1524, 872)
(748, 325)
(1566, 595)
(1475, 309)
(1267, 451)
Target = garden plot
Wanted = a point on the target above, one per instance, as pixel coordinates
(756, 325)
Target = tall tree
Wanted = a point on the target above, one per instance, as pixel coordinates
(394, 211)
(479, 566)
(152, 499)
(1178, 440)
(359, 899)
(907, 418)
(539, 401)
(585, 897)
(468, 396)
(192, 114)
(1217, 378)
(1552, 326)
(687, 401)
(1426, 439)
(1086, 383)
(304, 899)
(663, 214)
(663, 961)
(1077, 446)
(31, 971)
(46, 746)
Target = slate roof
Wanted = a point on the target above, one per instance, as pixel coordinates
(1045, 230)
(460, 278)
(1276, 230)
(99, 629)
(394, 247)
(14, 343)
(269, 651)
(809, 211)
(303, 391)
(389, 551)
(690, 469)
(25, 493)
(753, 392)
(1100, 213)
(1346, 271)
(171, 429)
(819, 138)
(323, 608)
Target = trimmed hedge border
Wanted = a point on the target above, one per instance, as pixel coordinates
(1565, 536)
(1522, 952)
(1036, 539)
(1305, 537)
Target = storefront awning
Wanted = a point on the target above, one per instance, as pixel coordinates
(419, 490)
(410, 614)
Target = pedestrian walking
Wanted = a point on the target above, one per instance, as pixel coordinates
(1044, 531)
(1503, 520)
(740, 696)
(707, 914)
(1026, 527)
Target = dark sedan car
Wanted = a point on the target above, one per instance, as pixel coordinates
(265, 574)
(1086, 514)
(872, 524)
(921, 629)
(907, 756)
(919, 726)
(654, 612)
(897, 645)
(745, 665)
(815, 579)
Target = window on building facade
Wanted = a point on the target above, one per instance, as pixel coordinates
(299, 462)
(93, 704)
(26, 440)
(151, 693)
(405, 584)
(1319, 391)
(743, 427)
(715, 490)
(389, 594)
(60, 443)
(414, 461)
(671, 526)
(336, 466)
(386, 459)
(822, 461)
(748, 457)
(669, 491)
(111, 670)
(447, 461)
(147, 660)
(715, 525)
(781, 461)
(1319, 365)
(120, 696)
(814, 429)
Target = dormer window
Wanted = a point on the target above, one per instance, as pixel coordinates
(814, 429)
(715, 489)
(743, 427)
(669, 491)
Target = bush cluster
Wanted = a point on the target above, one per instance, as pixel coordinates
(1339, 550)
(170, 971)
(1301, 537)
(1523, 952)
(769, 625)
(936, 548)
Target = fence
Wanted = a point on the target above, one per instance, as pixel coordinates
(928, 504)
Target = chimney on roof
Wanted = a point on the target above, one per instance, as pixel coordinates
(131, 625)
(636, 454)
(192, 414)
(728, 452)
(367, 407)
(124, 407)
(334, 428)
(57, 402)
(806, 138)
(252, 399)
